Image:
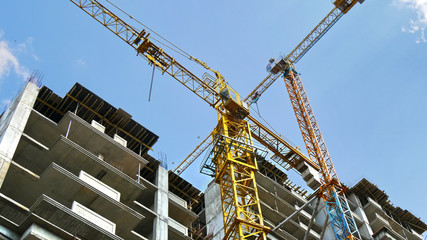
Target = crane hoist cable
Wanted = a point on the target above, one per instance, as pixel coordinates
(265, 121)
(184, 53)
(172, 46)
(151, 84)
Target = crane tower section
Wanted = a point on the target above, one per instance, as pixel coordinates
(331, 190)
(232, 161)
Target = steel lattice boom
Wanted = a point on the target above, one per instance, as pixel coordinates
(303, 47)
(193, 155)
(139, 40)
(286, 155)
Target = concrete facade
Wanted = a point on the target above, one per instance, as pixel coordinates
(71, 180)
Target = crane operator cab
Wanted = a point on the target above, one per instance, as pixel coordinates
(232, 102)
(346, 5)
(276, 66)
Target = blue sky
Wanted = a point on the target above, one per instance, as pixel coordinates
(366, 79)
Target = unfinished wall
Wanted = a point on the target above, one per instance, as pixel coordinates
(12, 125)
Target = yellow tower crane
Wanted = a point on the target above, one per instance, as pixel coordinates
(233, 159)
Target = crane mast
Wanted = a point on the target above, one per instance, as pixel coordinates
(331, 190)
(234, 163)
(233, 157)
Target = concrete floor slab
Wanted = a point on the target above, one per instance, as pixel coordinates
(145, 226)
(84, 134)
(281, 191)
(181, 214)
(64, 218)
(66, 187)
(147, 198)
(42, 128)
(75, 158)
(175, 234)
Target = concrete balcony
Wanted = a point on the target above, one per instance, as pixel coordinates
(179, 201)
(278, 205)
(378, 219)
(372, 207)
(273, 188)
(93, 217)
(49, 214)
(179, 212)
(293, 227)
(386, 234)
(177, 230)
(46, 132)
(400, 230)
(36, 157)
(104, 188)
(35, 232)
(179, 227)
(55, 182)
(377, 222)
(68, 220)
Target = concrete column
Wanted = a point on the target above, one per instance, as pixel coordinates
(161, 205)
(323, 218)
(365, 229)
(12, 125)
(214, 220)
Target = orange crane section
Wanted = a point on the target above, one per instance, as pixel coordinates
(341, 7)
(331, 190)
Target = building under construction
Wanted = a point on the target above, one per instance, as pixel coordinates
(76, 167)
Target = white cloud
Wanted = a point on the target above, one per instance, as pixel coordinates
(420, 24)
(27, 48)
(9, 62)
(81, 62)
